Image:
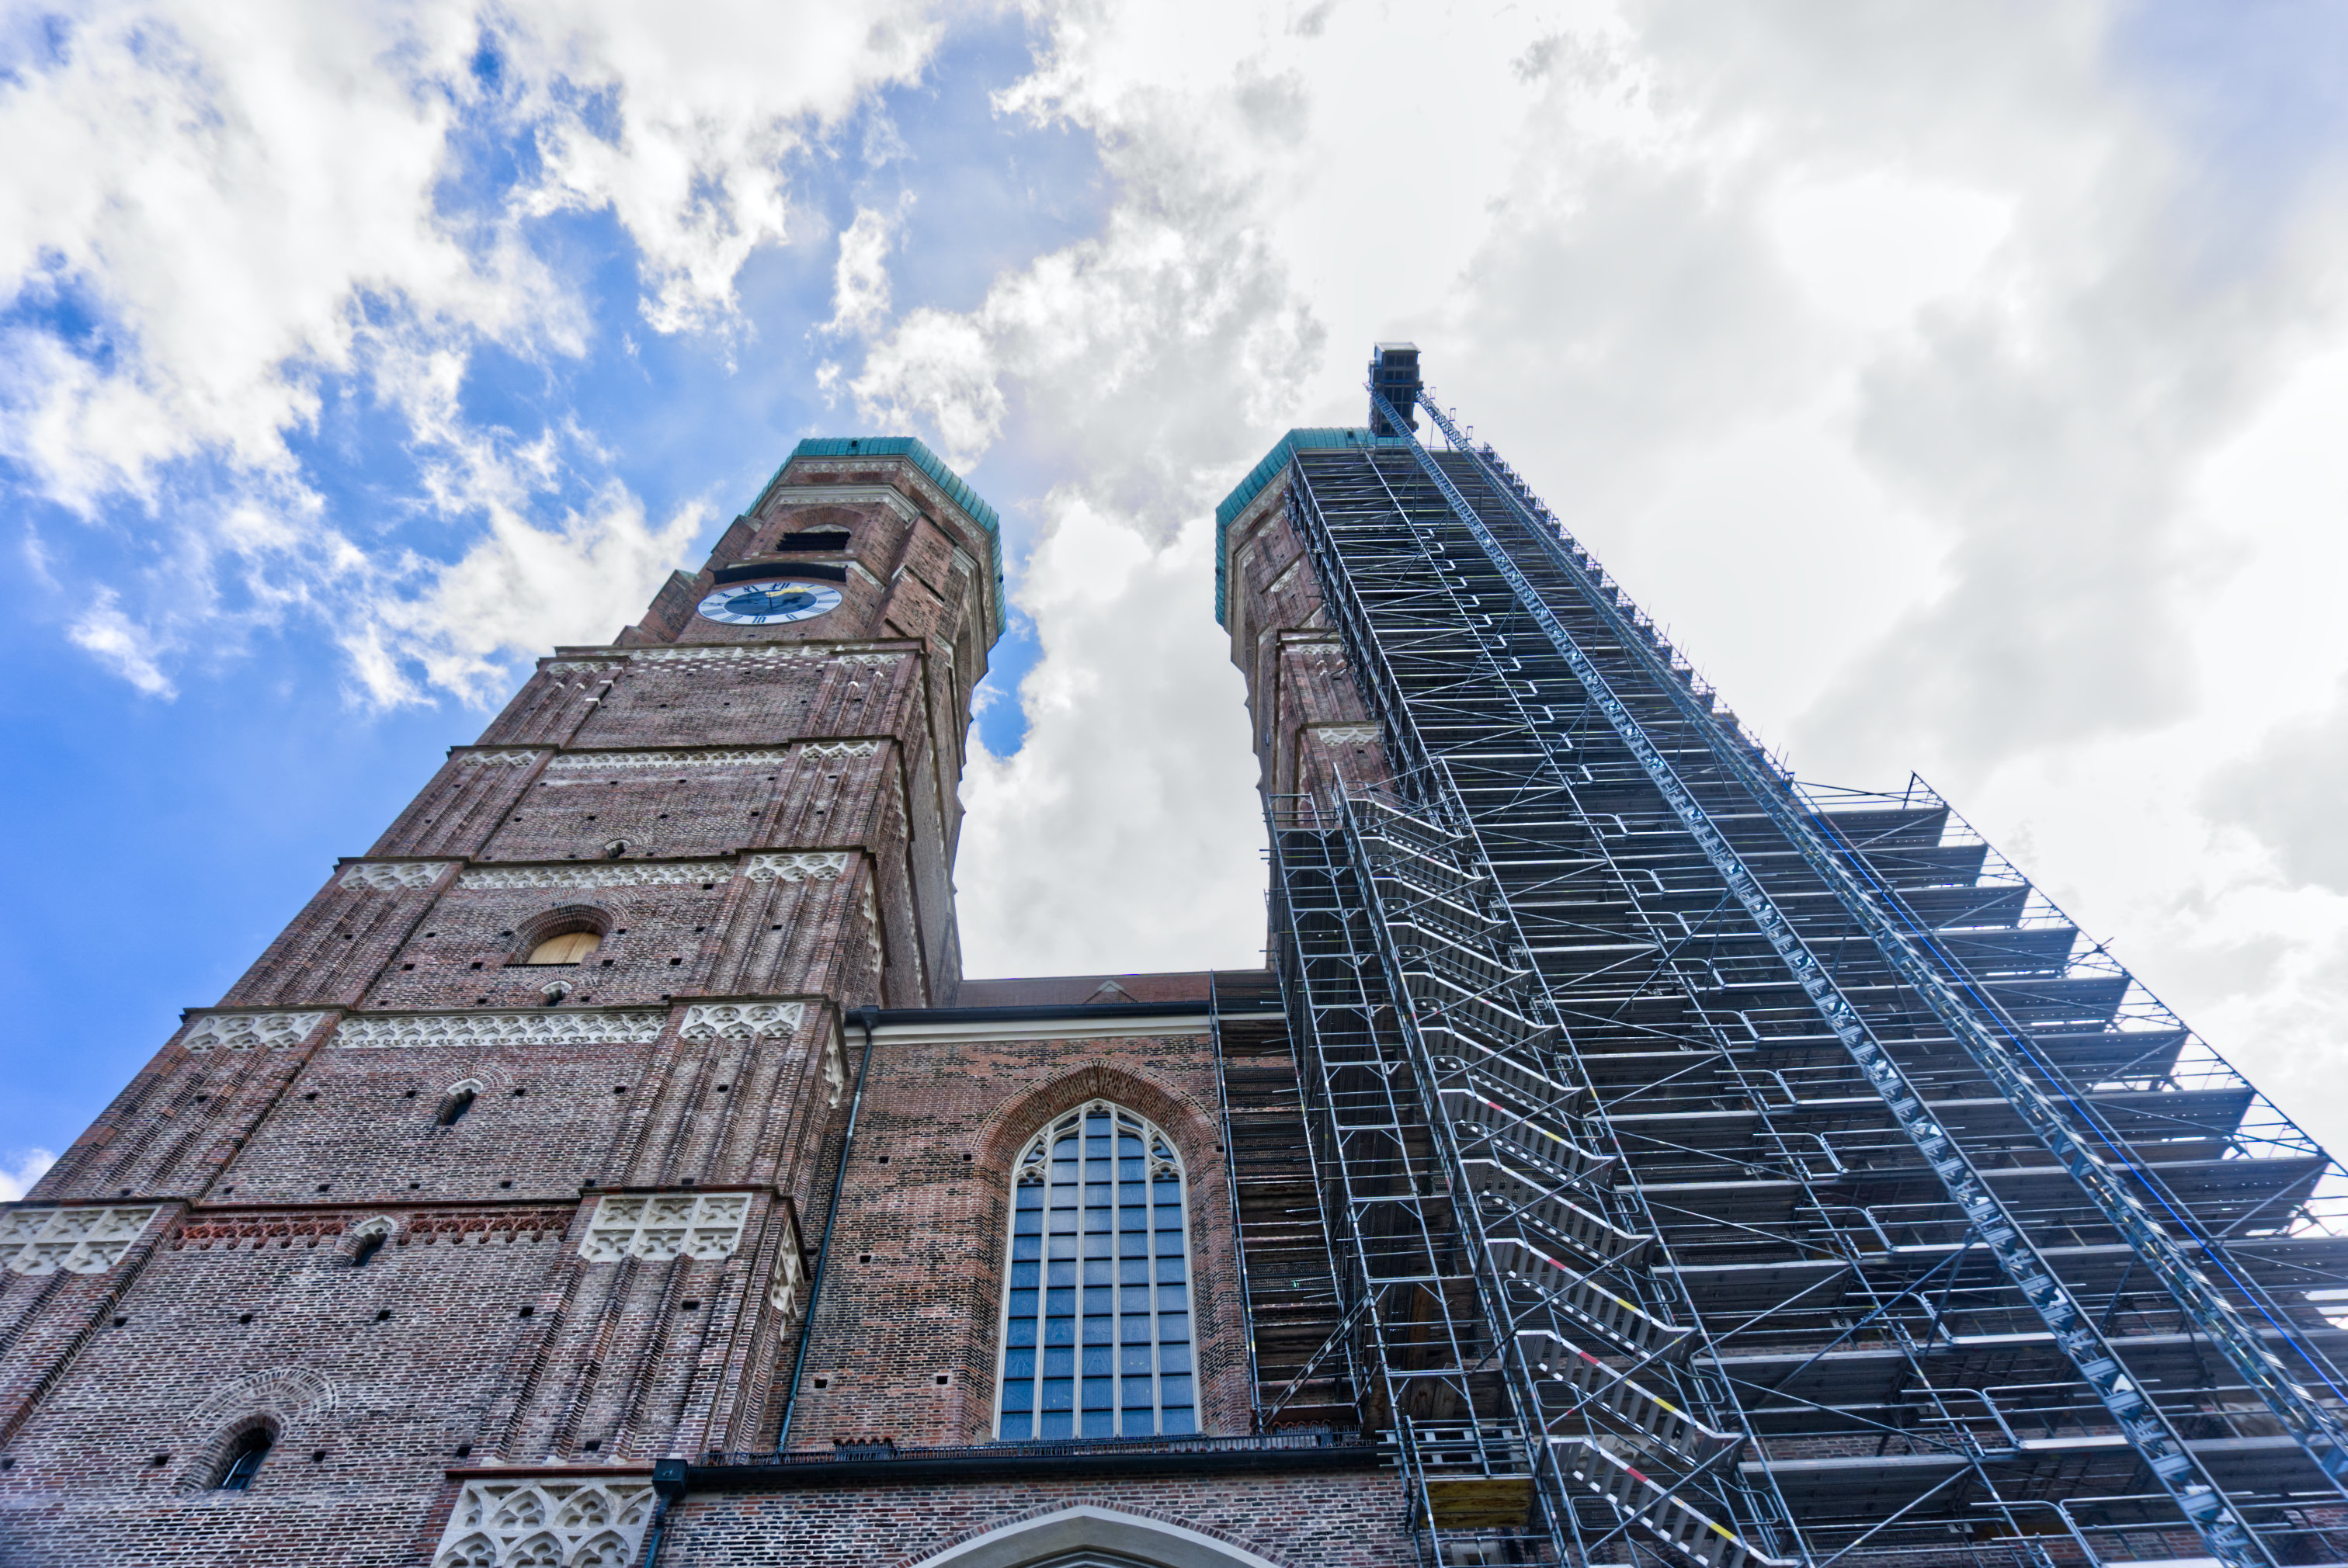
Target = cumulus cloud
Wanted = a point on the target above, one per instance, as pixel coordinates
(31, 1165)
(233, 205)
(1895, 355)
(1124, 835)
(102, 630)
(860, 287)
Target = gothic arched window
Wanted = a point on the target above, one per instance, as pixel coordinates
(1096, 1309)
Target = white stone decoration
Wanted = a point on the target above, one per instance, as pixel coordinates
(820, 866)
(783, 1294)
(662, 1226)
(614, 1026)
(835, 1069)
(579, 666)
(1346, 734)
(573, 762)
(387, 877)
(769, 651)
(546, 1521)
(478, 758)
(741, 1020)
(77, 1240)
(600, 873)
(840, 748)
(245, 1031)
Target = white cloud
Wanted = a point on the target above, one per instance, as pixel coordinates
(860, 287)
(1894, 355)
(31, 1165)
(240, 201)
(1124, 834)
(520, 589)
(102, 630)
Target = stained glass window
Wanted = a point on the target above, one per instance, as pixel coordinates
(1096, 1311)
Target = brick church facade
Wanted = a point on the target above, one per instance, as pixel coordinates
(478, 1223)
(1632, 1153)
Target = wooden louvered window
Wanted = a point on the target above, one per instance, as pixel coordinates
(571, 948)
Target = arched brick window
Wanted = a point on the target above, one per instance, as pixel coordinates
(243, 1461)
(1096, 1307)
(569, 947)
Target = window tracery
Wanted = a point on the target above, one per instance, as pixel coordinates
(1096, 1312)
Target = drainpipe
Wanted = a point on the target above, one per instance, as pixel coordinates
(865, 1017)
(668, 1487)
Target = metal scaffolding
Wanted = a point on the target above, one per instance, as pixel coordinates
(1717, 1167)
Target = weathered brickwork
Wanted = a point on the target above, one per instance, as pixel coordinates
(472, 1240)
(1351, 1521)
(925, 1216)
(1312, 733)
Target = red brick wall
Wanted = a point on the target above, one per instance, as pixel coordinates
(263, 1146)
(1312, 731)
(1349, 1519)
(936, 1225)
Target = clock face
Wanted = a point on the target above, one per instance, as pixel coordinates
(768, 603)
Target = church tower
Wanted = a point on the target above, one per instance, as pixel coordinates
(1633, 1154)
(612, 1167)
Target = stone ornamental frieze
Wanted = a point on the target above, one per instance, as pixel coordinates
(663, 1225)
(817, 866)
(385, 876)
(772, 651)
(548, 1523)
(597, 761)
(741, 1020)
(478, 758)
(615, 1026)
(245, 1031)
(1346, 734)
(840, 748)
(600, 873)
(69, 1240)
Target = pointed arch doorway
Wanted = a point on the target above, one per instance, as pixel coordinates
(1090, 1536)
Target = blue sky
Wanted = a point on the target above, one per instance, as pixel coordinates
(213, 814)
(1959, 383)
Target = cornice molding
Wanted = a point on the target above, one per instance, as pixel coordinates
(1168, 1024)
(600, 1026)
(843, 495)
